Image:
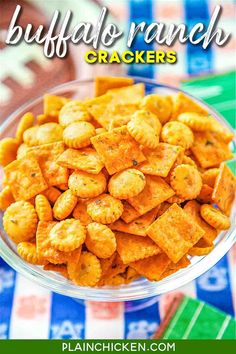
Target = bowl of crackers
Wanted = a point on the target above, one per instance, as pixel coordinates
(116, 189)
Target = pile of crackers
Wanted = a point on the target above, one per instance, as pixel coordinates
(116, 187)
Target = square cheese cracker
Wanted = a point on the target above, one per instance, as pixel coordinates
(193, 209)
(159, 160)
(105, 83)
(117, 149)
(47, 157)
(183, 103)
(154, 193)
(209, 150)
(175, 232)
(132, 248)
(86, 159)
(25, 178)
(43, 245)
(138, 226)
(128, 95)
(152, 267)
(224, 190)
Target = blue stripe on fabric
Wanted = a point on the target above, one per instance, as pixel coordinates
(199, 60)
(67, 318)
(7, 286)
(214, 287)
(141, 10)
(141, 318)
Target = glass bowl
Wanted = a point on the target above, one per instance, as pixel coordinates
(141, 288)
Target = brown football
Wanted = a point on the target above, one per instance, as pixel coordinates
(25, 72)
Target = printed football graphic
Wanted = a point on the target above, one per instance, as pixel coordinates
(25, 72)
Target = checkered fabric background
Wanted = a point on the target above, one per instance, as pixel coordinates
(28, 310)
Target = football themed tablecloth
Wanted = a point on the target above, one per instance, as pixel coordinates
(30, 311)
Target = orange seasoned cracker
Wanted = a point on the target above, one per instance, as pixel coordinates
(209, 176)
(52, 194)
(195, 121)
(145, 128)
(87, 185)
(159, 105)
(132, 247)
(42, 119)
(209, 150)
(43, 245)
(163, 207)
(105, 209)
(67, 235)
(105, 83)
(130, 94)
(8, 150)
(193, 209)
(6, 198)
(49, 133)
(126, 184)
(138, 226)
(113, 116)
(64, 205)
(221, 130)
(154, 193)
(86, 159)
(77, 135)
(20, 221)
(71, 112)
(85, 272)
(52, 104)
(152, 267)
(43, 208)
(47, 155)
(183, 103)
(117, 280)
(205, 195)
(178, 161)
(175, 232)
(177, 133)
(59, 268)
(80, 212)
(174, 267)
(106, 263)
(26, 121)
(129, 213)
(176, 199)
(99, 108)
(160, 160)
(224, 189)
(186, 181)
(131, 275)
(189, 161)
(201, 248)
(25, 178)
(116, 266)
(121, 114)
(27, 251)
(118, 150)
(100, 240)
(215, 217)
(63, 186)
(22, 150)
(111, 267)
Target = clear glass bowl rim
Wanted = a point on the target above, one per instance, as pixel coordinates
(139, 289)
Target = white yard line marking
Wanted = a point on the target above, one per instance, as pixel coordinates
(104, 322)
(193, 320)
(179, 313)
(223, 327)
